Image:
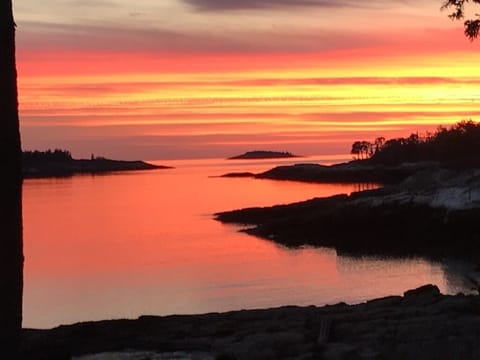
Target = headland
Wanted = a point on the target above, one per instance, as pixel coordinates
(59, 163)
(428, 205)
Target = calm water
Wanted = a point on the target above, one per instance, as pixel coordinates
(122, 245)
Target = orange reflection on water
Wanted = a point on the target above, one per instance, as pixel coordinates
(137, 243)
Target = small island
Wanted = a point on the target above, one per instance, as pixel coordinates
(263, 154)
(60, 163)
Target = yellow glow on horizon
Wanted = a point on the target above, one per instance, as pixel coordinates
(297, 95)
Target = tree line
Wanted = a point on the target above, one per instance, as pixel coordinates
(56, 155)
(456, 145)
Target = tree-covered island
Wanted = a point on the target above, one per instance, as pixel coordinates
(57, 163)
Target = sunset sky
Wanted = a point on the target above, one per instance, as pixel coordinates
(163, 79)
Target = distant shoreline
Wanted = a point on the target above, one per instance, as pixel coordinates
(357, 171)
(70, 167)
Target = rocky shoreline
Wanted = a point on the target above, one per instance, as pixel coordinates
(351, 172)
(432, 213)
(421, 324)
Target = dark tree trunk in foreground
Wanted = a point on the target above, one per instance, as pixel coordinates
(11, 243)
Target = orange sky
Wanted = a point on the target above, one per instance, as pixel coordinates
(204, 78)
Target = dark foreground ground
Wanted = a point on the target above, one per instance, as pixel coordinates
(422, 324)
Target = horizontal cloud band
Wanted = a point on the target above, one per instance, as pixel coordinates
(225, 5)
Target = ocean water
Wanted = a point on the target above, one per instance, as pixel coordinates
(132, 243)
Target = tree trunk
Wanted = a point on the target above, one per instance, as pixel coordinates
(11, 237)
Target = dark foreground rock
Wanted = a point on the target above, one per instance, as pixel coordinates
(423, 324)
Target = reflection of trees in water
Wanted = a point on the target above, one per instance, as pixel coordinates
(11, 257)
(365, 186)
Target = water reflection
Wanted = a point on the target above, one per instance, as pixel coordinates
(365, 186)
(138, 243)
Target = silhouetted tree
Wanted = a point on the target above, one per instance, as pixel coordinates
(378, 143)
(356, 149)
(367, 148)
(11, 247)
(56, 155)
(456, 146)
(471, 26)
(362, 149)
(413, 139)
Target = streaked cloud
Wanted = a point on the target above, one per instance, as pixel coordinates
(93, 3)
(226, 5)
(41, 36)
(206, 77)
(92, 38)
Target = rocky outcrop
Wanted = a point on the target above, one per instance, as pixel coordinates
(421, 324)
(432, 213)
